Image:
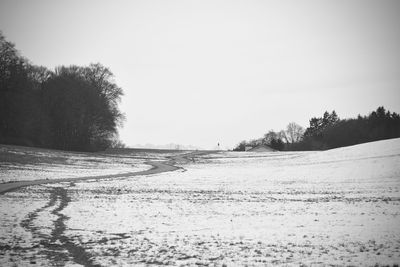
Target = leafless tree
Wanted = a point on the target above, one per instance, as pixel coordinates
(294, 133)
(283, 136)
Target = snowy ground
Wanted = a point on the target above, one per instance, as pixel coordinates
(339, 207)
(26, 164)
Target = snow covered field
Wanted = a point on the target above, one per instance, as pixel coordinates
(28, 164)
(24, 164)
(339, 207)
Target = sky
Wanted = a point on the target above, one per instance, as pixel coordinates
(206, 72)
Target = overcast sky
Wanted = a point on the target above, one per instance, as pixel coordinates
(203, 72)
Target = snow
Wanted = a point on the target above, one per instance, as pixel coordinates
(339, 207)
(14, 209)
(24, 164)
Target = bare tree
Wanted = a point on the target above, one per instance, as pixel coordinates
(294, 133)
(283, 136)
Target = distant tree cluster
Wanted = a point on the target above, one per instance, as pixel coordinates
(277, 140)
(329, 131)
(70, 108)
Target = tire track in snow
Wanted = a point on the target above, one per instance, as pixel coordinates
(55, 245)
(78, 253)
(29, 226)
(52, 249)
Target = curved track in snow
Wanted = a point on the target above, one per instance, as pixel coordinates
(157, 167)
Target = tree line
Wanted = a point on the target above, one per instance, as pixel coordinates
(329, 131)
(69, 108)
(280, 140)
